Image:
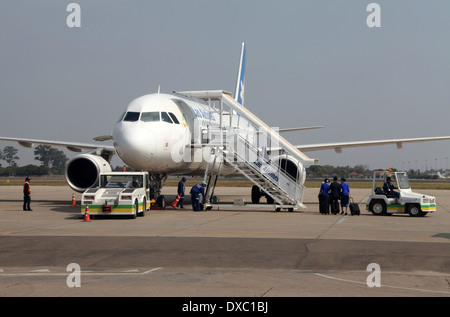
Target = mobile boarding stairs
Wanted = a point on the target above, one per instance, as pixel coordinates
(258, 152)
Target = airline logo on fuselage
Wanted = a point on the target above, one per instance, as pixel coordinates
(203, 114)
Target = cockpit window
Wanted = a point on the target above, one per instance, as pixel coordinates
(165, 117)
(154, 116)
(150, 116)
(131, 116)
(174, 118)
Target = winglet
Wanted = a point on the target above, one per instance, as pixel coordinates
(239, 94)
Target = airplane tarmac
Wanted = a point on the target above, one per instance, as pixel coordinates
(194, 133)
(226, 252)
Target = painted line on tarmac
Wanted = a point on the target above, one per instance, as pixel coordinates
(47, 272)
(40, 271)
(337, 222)
(389, 286)
(152, 270)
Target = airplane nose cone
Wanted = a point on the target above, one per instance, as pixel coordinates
(133, 146)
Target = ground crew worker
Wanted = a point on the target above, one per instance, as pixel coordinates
(27, 195)
(388, 189)
(180, 191)
(196, 190)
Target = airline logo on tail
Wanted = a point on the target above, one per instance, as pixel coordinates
(239, 94)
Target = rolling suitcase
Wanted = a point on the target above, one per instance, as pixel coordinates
(354, 208)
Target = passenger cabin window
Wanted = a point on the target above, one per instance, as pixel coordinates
(150, 116)
(174, 118)
(131, 116)
(165, 117)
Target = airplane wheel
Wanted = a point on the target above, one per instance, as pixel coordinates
(161, 201)
(256, 194)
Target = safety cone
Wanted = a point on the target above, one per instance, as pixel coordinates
(175, 202)
(87, 218)
(74, 202)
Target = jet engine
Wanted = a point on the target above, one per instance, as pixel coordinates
(83, 170)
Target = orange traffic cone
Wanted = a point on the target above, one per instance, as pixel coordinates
(74, 202)
(87, 218)
(175, 202)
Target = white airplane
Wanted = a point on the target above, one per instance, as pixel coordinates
(168, 134)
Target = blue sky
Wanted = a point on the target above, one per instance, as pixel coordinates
(308, 63)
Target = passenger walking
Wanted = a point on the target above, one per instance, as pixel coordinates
(27, 195)
(334, 191)
(196, 190)
(323, 197)
(345, 196)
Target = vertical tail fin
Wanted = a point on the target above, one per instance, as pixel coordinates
(239, 94)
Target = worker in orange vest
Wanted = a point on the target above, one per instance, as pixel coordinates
(27, 194)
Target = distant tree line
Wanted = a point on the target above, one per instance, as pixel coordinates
(52, 160)
(360, 171)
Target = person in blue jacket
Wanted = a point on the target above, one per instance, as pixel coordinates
(180, 191)
(196, 190)
(323, 197)
(388, 189)
(345, 196)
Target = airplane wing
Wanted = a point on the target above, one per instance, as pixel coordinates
(298, 129)
(340, 145)
(75, 147)
(293, 129)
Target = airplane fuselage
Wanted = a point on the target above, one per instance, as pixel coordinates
(162, 134)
